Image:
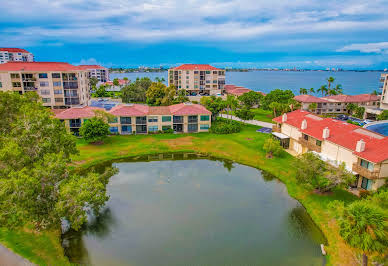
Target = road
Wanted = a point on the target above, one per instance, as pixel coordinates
(8, 258)
(252, 122)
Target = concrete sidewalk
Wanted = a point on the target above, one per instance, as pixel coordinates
(8, 258)
(252, 122)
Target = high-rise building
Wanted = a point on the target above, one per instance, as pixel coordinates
(95, 71)
(60, 85)
(384, 93)
(197, 79)
(15, 55)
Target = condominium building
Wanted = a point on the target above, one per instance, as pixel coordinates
(336, 104)
(143, 119)
(197, 79)
(364, 152)
(95, 71)
(384, 93)
(60, 85)
(15, 55)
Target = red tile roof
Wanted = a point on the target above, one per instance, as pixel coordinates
(121, 82)
(353, 98)
(341, 133)
(86, 67)
(309, 99)
(38, 66)
(14, 50)
(196, 67)
(78, 112)
(188, 109)
(238, 90)
(130, 110)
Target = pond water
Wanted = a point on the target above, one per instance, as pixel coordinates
(196, 212)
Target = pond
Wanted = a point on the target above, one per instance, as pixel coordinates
(196, 212)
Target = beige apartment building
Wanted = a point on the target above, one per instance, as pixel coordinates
(364, 152)
(15, 55)
(197, 79)
(60, 85)
(384, 92)
(143, 119)
(99, 72)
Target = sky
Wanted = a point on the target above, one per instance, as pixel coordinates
(349, 34)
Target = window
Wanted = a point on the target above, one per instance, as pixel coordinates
(56, 75)
(195, 72)
(187, 72)
(15, 76)
(16, 84)
(44, 92)
(187, 86)
(366, 183)
(318, 143)
(193, 119)
(126, 129)
(141, 120)
(152, 119)
(125, 120)
(112, 120)
(215, 72)
(207, 72)
(42, 75)
(204, 127)
(141, 129)
(306, 137)
(205, 117)
(57, 84)
(207, 81)
(59, 100)
(1, 85)
(153, 128)
(114, 129)
(44, 83)
(57, 91)
(367, 165)
(215, 81)
(46, 100)
(166, 118)
(166, 128)
(192, 127)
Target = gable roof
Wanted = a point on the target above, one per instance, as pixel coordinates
(14, 50)
(352, 98)
(238, 90)
(78, 112)
(305, 98)
(130, 110)
(188, 109)
(341, 133)
(38, 66)
(196, 67)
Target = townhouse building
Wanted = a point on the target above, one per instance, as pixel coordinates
(384, 91)
(364, 152)
(15, 55)
(95, 71)
(143, 119)
(197, 79)
(337, 104)
(60, 85)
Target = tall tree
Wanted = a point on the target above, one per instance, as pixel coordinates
(249, 99)
(94, 130)
(231, 104)
(329, 80)
(279, 96)
(313, 107)
(160, 94)
(323, 89)
(213, 104)
(136, 91)
(312, 90)
(116, 82)
(181, 96)
(338, 89)
(93, 82)
(302, 91)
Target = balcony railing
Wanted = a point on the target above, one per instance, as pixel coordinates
(178, 120)
(275, 128)
(311, 146)
(365, 172)
(30, 88)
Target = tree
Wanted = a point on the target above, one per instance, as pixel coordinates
(182, 96)
(272, 147)
(323, 89)
(279, 108)
(116, 82)
(351, 107)
(136, 91)
(35, 150)
(279, 96)
(231, 104)
(293, 105)
(125, 78)
(93, 82)
(359, 112)
(160, 94)
(101, 92)
(213, 104)
(302, 91)
(94, 130)
(364, 226)
(313, 107)
(383, 115)
(249, 99)
(312, 90)
(338, 89)
(330, 80)
(245, 113)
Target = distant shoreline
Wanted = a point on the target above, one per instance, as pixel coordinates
(246, 70)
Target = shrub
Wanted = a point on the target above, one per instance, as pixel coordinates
(225, 127)
(94, 130)
(170, 130)
(194, 102)
(272, 147)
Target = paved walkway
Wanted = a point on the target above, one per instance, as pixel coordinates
(252, 122)
(8, 258)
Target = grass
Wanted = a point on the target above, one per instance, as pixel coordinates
(244, 147)
(262, 115)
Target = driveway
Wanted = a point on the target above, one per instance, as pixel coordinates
(8, 258)
(252, 122)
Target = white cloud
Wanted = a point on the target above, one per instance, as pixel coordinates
(378, 47)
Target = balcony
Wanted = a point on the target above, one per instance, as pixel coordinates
(365, 172)
(310, 145)
(178, 119)
(276, 128)
(30, 88)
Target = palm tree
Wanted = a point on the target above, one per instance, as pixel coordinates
(302, 91)
(231, 103)
(365, 226)
(323, 89)
(338, 89)
(330, 80)
(312, 90)
(313, 107)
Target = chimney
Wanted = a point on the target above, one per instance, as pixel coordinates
(326, 133)
(360, 147)
(284, 117)
(304, 124)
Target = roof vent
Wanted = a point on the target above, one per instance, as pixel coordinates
(326, 133)
(304, 124)
(360, 146)
(284, 117)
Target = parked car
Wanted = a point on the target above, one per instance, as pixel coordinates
(219, 94)
(342, 117)
(367, 121)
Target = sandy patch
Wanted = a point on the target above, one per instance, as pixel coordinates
(179, 142)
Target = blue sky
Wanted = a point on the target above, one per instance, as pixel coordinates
(235, 33)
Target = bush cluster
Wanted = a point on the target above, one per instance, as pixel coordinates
(225, 127)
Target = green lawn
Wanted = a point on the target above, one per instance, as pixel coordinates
(262, 115)
(244, 147)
